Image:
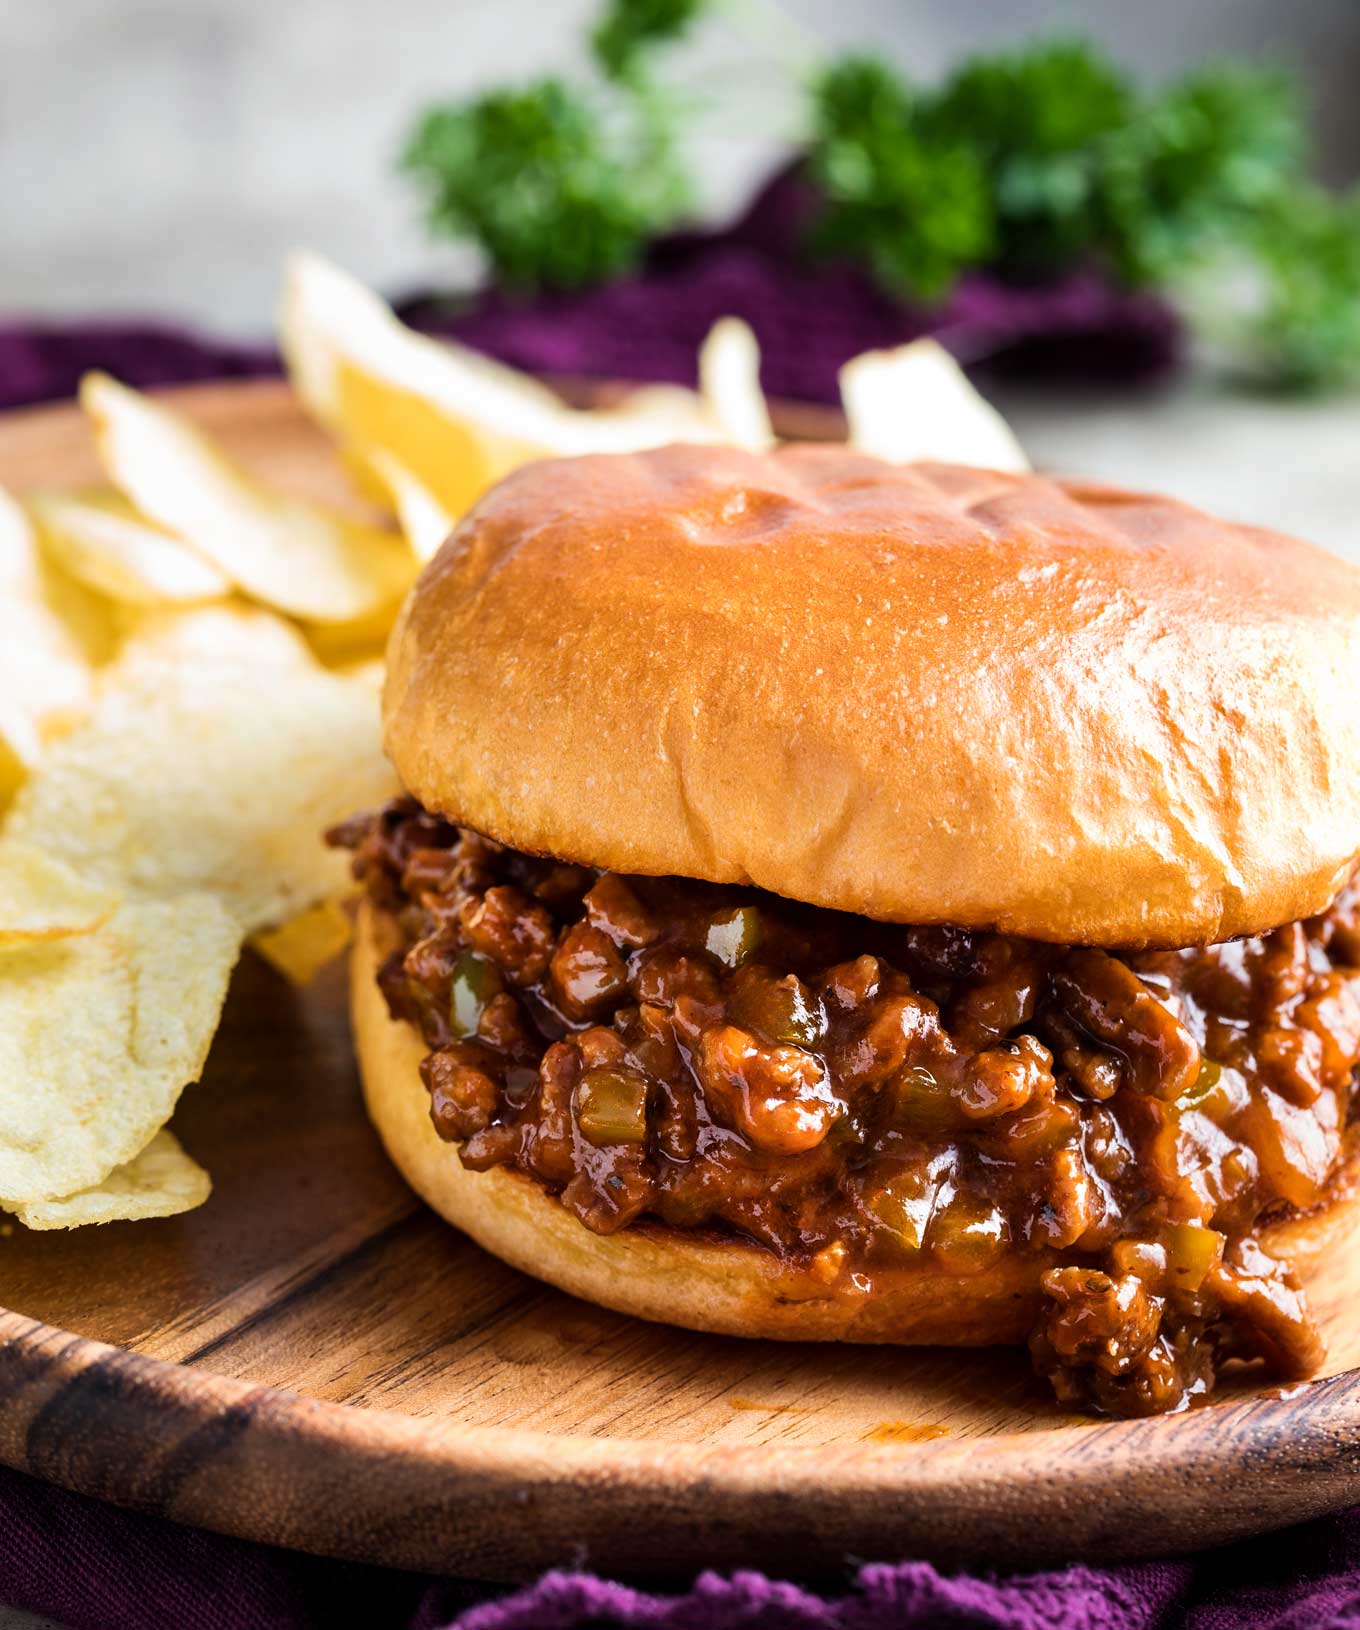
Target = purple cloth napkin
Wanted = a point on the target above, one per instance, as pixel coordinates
(43, 361)
(91, 1567)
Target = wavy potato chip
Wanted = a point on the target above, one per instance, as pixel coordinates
(51, 638)
(915, 402)
(161, 1181)
(20, 748)
(100, 540)
(99, 1034)
(341, 645)
(645, 416)
(729, 382)
(70, 617)
(300, 948)
(455, 420)
(421, 517)
(285, 553)
(13, 769)
(191, 777)
(41, 899)
(211, 638)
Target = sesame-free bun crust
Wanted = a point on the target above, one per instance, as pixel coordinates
(703, 1281)
(923, 693)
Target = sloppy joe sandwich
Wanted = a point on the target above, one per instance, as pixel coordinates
(837, 900)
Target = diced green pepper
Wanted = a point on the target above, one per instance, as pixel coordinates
(1037, 1129)
(922, 1103)
(781, 1010)
(1205, 1082)
(904, 1207)
(968, 1235)
(475, 981)
(611, 1107)
(1191, 1252)
(734, 935)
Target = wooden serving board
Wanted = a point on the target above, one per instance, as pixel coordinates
(313, 1359)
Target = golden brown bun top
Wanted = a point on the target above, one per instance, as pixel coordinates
(924, 693)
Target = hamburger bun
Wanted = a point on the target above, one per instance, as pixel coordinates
(925, 694)
(703, 1281)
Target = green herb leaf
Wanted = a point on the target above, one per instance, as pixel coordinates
(1301, 331)
(918, 211)
(1035, 118)
(1054, 97)
(555, 192)
(1195, 167)
(629, 30)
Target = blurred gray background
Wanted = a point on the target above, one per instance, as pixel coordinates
(163, 155)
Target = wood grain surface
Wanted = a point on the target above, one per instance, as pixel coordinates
(313, 1359)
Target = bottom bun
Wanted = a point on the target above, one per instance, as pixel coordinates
(698, 1279)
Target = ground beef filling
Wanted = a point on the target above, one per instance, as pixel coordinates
(856, 1095)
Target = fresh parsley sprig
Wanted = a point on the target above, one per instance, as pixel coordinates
(1078, 166)
(562, 185)
(1035, 121)
(628, 33)
(1026, 163)
(1284, 308)
(875, 168)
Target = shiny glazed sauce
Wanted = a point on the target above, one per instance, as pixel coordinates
(858, 1096)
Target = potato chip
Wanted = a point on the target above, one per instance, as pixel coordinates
(368, 673)
(50, 640)
(422, 518)
(342, 645)
(645, 416)
(26, 572)
(162, 1181)
(453, 419)
(301, 947)
(99, 1033)
(101, 541)
(916, 403)
(20, 744)
(13, 769)
(189, 777)
(280, 551)
(233, 634)
(41, 899)
(729, 382)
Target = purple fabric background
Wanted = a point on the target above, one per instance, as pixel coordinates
(94, 1568)
(809, 315)
(43, 361)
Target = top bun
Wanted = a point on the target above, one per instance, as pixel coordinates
(925, 693)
